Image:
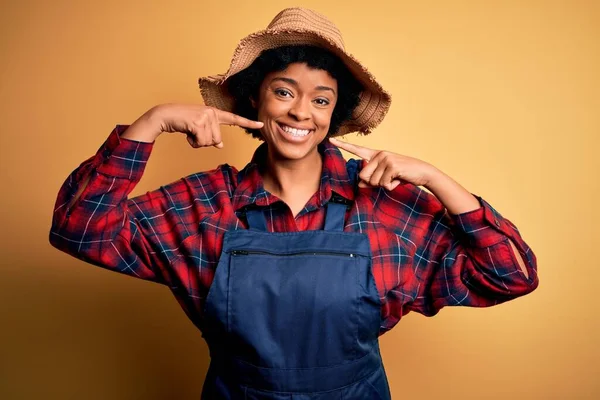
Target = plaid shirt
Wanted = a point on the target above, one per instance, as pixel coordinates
(423, 257)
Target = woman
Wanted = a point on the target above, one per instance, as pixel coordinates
(293, 266)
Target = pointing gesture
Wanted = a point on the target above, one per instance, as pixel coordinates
(363, 152)
(227, 118)
(387, 169)
(201, 124)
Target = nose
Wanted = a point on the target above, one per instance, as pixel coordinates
(300, 109)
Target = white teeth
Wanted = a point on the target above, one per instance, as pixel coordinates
(294, 131)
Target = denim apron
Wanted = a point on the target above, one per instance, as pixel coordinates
(294, 315)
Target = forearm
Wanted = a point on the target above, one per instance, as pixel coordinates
(457, 200)
(91, 220)
(103, 180)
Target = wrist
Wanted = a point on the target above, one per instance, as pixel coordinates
(455, 198)
(146, 128)
(433, 175)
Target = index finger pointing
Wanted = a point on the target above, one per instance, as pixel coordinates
(362, 152)
(228, 118)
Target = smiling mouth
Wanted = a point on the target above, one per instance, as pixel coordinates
(294, 131)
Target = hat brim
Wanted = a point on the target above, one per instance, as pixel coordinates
(374, 100)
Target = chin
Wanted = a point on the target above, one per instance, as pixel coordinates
(293, 152)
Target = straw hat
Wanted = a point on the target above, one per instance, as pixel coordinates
(300, 26)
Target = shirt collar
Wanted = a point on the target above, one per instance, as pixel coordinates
(334, 178)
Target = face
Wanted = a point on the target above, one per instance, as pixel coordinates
(295, 106)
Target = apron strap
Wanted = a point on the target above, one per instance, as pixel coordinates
(256, 220)
(334, 218)
(336, 215)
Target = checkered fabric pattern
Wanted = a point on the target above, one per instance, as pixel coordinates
(423, 258)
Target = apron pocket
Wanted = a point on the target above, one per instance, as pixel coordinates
(293, 311)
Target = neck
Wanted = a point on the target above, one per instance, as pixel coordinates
(292, 179)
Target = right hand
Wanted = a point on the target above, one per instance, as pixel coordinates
(201, 124)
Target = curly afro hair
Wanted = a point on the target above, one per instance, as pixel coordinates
(246, 84)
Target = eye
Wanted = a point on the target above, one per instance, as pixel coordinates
(283, 92)
(322, 102)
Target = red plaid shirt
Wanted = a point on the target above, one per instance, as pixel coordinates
(423, 257)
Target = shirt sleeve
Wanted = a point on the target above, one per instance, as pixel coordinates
(460, 260)
(473, 264)
(92, 219)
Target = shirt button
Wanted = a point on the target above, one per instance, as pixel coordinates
(497, 222)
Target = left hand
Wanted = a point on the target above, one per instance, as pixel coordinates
(387, 169)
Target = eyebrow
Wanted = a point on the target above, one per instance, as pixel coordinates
(293, 82)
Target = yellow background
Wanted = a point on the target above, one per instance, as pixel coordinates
(504, 96)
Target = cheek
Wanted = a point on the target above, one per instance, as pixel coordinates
(323, 118)
(272, 109)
